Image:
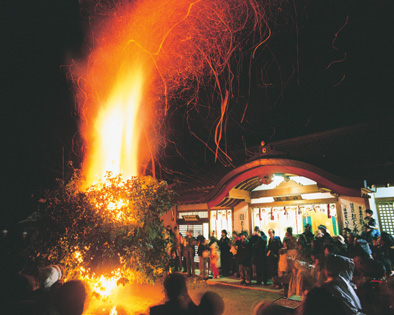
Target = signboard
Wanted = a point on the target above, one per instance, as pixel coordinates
(353, 215)
(191, 218)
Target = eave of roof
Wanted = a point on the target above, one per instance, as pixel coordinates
(341, 158)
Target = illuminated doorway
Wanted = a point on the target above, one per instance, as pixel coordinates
(279, 218)
(221, 220)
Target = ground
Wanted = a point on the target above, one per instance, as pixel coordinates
(136, 299)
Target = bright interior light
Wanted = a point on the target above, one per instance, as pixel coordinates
(263, 200)
(316, 196)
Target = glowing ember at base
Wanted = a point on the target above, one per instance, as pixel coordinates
(102, 286)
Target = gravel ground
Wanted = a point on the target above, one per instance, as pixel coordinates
(136, 299)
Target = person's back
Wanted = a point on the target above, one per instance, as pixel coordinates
(211, 304)
(320, 301)
(339, 271)
(179, 301)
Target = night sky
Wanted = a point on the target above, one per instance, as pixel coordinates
(298, 94)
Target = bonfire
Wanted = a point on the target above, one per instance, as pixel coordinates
(108, 235)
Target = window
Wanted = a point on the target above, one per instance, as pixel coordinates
(386, 216)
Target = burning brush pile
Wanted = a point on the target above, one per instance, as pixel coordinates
(108, 235)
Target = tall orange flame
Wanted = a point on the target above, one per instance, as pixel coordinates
(117, 130)
(156, 51)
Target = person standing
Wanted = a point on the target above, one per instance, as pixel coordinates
(274, 244)
(179, 249)
(215, 260)
(258, 248)
(234, 259)
(225, 255)
(289, 235)
(188, 252)
(203, 253)
(212, 238)
(244, 256)
(308, 235)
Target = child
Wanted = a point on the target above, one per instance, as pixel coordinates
(215, 260)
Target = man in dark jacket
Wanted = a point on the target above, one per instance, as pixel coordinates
(258, 243)
(274, 244)
(244, 257)
(225, 255)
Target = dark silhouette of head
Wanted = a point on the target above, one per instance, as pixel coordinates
(320, 301)
(369, 211)
(175, 286)
(267, 308)
(70, 298)
(211, 304)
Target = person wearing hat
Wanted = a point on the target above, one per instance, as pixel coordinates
(325, 237)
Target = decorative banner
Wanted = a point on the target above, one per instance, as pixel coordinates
(352, 214)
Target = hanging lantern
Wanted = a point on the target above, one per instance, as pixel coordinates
(328, 211)
(272, 214)
(299, 210)
(286, 212)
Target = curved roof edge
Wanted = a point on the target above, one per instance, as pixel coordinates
(265, 166)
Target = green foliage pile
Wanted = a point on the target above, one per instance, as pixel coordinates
(88, 236)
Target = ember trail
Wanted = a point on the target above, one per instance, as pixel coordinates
(103, 227)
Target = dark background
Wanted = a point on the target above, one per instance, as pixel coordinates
(297, 94)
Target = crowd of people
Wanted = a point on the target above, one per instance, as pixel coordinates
(356, 269)
(344, 274)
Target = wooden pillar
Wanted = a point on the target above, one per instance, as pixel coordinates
(339, 216)
(250, 220)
